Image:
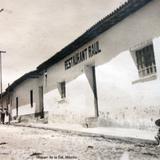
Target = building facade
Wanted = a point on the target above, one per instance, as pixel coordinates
(25, 97)
(109, 76)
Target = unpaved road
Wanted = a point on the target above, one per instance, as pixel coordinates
(18, 143)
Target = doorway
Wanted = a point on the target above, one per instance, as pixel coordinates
(41, 108)
(17, 106)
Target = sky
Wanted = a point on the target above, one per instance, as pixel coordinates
(31, 31)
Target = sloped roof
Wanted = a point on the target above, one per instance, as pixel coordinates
(32, 74)
(103, 25)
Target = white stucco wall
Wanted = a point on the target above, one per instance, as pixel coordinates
(24, 110)
(120, 102)
(22, 91)
(123, 103)
(77, 105)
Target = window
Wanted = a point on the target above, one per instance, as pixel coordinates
(31, 98)
(145, 61)
(63, 89)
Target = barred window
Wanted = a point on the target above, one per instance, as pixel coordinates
(146, 61)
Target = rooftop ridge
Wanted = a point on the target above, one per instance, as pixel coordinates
(101, 26)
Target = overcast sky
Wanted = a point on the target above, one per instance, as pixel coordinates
(31, 31)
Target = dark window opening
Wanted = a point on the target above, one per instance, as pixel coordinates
(146, 61)
(31, 98)
(63, 89)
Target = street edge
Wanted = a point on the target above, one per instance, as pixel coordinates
(133, 140)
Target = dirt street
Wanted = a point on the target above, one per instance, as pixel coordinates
(18, 143)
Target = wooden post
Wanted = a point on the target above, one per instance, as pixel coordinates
(1, 77)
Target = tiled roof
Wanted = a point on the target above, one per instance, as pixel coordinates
(103, 25)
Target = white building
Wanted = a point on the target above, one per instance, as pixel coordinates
(109, 75)
(26, 95)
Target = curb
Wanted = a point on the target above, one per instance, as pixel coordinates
(94, 135)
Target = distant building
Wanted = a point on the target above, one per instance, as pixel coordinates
(26, 96)
(108, 76)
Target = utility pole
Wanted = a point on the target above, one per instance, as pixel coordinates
(8, 98)
(1, 77)
(1, 10)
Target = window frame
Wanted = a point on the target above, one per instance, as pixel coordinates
(146, 67)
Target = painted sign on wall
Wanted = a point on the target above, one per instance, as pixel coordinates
(82, 55)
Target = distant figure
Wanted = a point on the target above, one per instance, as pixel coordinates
(2, 116)
(7, 117)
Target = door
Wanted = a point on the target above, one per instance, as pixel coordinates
(41, 108)
(17, 106)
